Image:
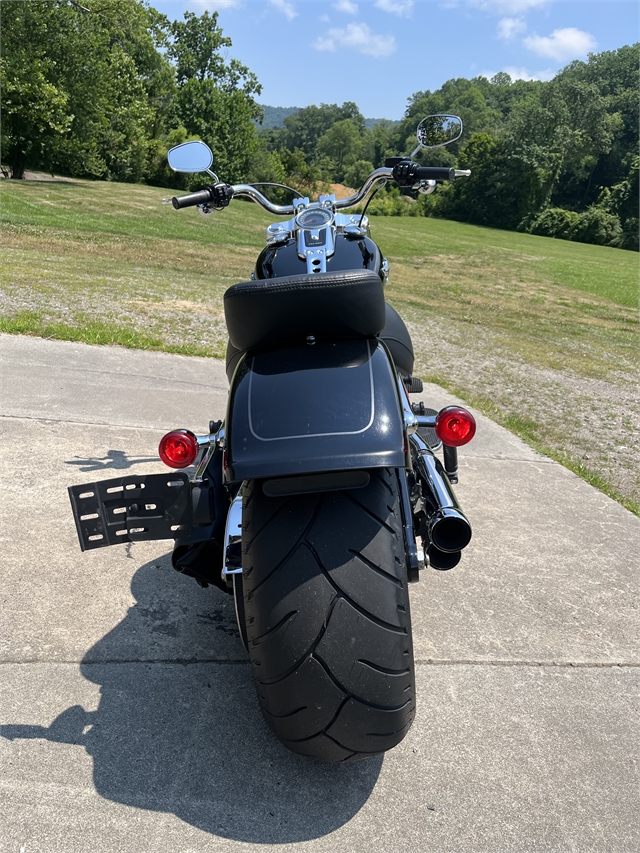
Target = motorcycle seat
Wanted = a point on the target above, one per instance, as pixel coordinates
(346, 304)
(394, 334)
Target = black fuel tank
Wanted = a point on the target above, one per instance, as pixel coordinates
(350, 254)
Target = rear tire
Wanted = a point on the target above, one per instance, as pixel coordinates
(327, 615)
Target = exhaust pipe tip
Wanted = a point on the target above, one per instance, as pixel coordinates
(449, 530)
(443, 561)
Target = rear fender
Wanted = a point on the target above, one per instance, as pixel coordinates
(314, 408)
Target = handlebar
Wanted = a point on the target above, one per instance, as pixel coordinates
(256, 195)
(408, 174)
(288, 209)
(434, 173)
(190, 200)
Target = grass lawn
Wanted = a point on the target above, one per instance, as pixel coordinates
(540, 334)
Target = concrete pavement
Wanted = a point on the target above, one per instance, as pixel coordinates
(126, 704)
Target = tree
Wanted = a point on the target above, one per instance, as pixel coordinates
(224, 121)
(81, 85)
(299, 173)
(378, 143)
(356, 175)
(214, 99)
(90, 89)
(306, 127)
(35, 108)
(196, 49)
(466, 98)
(342, 143)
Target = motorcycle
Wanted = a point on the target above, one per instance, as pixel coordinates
(320, 498)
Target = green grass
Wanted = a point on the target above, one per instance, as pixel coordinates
(598, 270)
(540, 334)
(92, 332)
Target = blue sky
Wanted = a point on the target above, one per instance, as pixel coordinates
(379, 52)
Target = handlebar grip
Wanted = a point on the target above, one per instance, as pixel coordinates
(201, 197)
(434, 173)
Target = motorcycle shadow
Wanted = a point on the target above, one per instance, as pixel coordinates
(114, 459)
(181, 734)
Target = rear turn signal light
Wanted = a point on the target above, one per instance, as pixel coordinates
(455, 426)
(179, 448)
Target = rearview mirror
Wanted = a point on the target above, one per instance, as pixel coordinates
(190, 157)
(434, 131)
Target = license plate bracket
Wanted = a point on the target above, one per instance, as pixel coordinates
(132, 509)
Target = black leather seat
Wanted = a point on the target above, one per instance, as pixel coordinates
(344, 304)
(395, 335)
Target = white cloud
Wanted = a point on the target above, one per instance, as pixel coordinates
(568, 43)
(509, 28)
(357, 37)
(402, 8)
(324, 19)
(522, 74)
(287, 9)
(508, 7)
(346, 6)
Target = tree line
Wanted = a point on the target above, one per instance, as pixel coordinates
(103, 88)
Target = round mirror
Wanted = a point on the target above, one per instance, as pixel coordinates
(190, 157)
(437, 130)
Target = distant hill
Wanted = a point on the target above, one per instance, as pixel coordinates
(275, 116)
(371, 122)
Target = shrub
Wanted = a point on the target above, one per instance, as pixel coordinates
(595, 225)
(553, 222)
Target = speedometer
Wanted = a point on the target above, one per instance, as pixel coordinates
(315, 217)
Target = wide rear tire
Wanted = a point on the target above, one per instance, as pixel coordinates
(327, 614)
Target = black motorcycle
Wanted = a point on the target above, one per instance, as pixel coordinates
(320, 497)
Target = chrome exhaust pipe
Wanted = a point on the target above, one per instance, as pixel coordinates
(448, 528)
(442, 561)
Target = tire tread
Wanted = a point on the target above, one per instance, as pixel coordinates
(334, 676)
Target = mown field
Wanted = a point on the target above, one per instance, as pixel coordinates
(540, 334)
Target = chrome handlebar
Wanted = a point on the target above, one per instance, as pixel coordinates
(256, 195)
(289, 209)
(382, 174)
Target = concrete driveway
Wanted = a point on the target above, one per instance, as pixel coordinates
(127, 715)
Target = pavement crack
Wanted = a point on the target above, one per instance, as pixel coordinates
(52, 420)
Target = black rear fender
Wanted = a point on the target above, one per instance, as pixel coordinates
(307, 409)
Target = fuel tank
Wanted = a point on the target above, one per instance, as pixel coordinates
(351, 254)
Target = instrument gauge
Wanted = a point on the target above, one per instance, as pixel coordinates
(314, 218)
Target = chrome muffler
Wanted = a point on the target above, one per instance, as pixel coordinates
(446, 526)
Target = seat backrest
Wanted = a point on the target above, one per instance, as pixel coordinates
(331, 305)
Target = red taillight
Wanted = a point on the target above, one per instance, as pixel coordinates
(455, 426)
(178, 449)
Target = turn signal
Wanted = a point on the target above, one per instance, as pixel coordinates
(455, 426)
(179, 448)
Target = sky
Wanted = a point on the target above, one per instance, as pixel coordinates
(378, 53)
